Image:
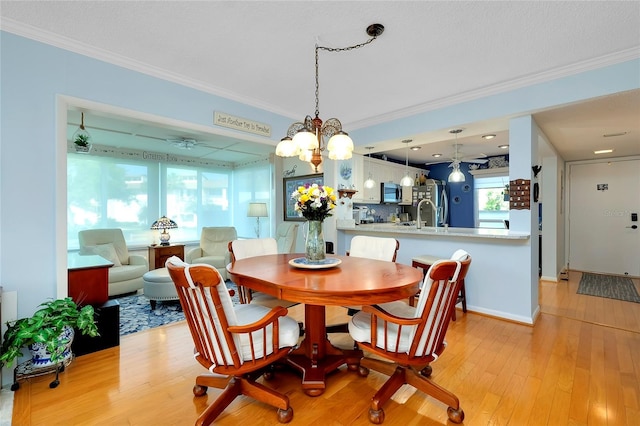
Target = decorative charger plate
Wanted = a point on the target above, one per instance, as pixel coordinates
(302, 262)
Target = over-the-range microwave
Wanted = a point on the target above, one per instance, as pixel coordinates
(390, 193)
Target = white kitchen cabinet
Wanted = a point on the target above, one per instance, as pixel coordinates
(381, 171)
(358, 178)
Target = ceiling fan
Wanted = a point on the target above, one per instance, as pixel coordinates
(458, 156)
(183, 143)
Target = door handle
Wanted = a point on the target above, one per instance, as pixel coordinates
(632, 226)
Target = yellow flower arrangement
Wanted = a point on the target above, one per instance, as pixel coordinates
(314, 202)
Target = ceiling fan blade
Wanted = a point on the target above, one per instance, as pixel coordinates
(474, 160)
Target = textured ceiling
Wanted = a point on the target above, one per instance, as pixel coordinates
(432, 54)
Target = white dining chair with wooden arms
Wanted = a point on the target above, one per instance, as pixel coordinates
(409, 338)
(378, 248)
(235, 343)
(425, 261)
(242, 249)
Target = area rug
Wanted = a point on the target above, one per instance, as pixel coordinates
(609, 286)
(136, 314)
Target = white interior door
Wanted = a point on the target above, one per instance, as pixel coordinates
(602, 199)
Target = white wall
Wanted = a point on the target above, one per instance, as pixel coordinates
(553, 231)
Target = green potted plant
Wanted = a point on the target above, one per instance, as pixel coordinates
(81, 142)
(48, 332)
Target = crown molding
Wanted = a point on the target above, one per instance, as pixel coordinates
(507, 86)
(66, 43)
(47, 37)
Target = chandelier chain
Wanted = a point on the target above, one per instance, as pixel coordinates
(334, 49)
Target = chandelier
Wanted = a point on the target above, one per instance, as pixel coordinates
(307, 139)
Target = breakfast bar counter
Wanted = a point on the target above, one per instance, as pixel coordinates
(503, 278)
(393, 228)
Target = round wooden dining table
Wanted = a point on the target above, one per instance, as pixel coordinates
(354, 281)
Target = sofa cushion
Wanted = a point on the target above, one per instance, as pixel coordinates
(126, 272)
(108, 251)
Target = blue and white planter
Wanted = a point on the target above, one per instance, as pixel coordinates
(42, 358)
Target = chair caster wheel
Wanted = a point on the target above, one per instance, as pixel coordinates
(285, 416)
(363, 371)
(268, 375)
(376, 416)
(426, 371)
(456, 416)
(199, 390)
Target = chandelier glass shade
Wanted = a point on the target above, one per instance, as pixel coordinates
(307, 139)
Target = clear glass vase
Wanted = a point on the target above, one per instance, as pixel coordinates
(314, 245)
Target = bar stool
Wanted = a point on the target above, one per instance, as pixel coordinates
(425, 261)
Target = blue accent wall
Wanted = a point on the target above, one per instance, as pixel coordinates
(461, 201)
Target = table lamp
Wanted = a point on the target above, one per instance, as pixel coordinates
(257, 210)
(163, 224)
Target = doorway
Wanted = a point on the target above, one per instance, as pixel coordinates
(603, 198)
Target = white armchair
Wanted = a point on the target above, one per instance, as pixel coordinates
(214, 248)
(125, 276)
(286, 234)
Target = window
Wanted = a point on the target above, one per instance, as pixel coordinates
(105, 192)
(194, 198)
(491, 209)
(252, 184)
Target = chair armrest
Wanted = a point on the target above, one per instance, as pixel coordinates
(136, 259)
(192, 254)
(271, 318)
(377, 311)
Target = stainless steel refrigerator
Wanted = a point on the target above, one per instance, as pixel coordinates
(436, 214)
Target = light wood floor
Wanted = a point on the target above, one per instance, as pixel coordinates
(579, 365)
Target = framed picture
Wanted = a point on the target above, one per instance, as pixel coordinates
(290, 184)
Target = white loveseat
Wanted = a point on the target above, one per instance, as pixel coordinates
(125, 276)
(214, 248)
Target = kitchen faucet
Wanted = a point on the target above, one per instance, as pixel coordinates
(419, 219)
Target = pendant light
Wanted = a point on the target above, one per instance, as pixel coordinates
(407, 180)
(369, 183)
(456, 174)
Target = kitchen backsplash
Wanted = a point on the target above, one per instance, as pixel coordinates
(382, 212)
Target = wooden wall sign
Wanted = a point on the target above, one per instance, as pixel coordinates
(520, 194)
